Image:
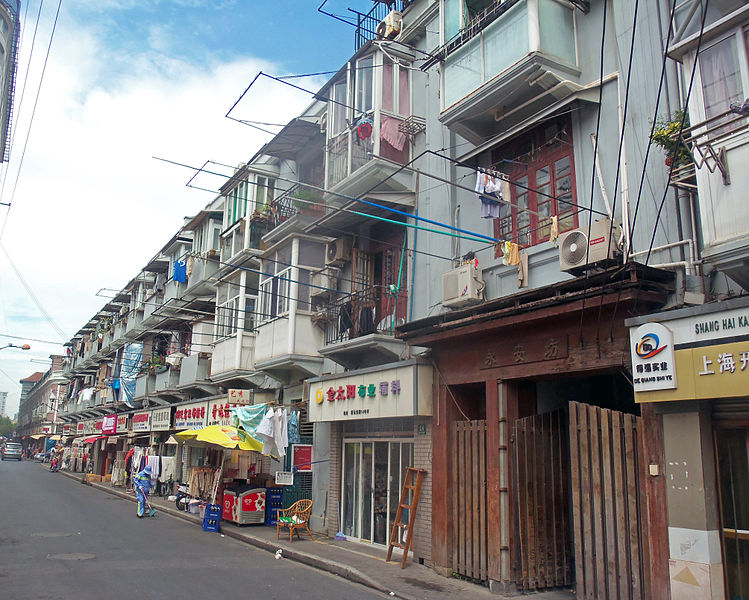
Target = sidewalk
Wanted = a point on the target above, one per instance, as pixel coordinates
(354, 561)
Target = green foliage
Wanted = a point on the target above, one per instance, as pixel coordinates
(6, 426)
(665, 135)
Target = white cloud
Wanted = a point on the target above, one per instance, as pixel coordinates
(92, 205)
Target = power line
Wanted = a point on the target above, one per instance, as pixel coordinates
(16, 337)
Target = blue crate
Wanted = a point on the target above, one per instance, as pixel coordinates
(212, 518)
(273, 501)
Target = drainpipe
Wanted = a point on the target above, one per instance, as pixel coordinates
(293, 295)
(623, 175)
(240, 330)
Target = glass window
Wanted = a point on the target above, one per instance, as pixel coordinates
(452, 9)
(364, 76)
(338, 108)
(250, 306)
(721, 77)
(265, 192)
(388, 89)
(283, 290)
(557, 25)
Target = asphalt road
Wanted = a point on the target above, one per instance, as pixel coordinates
(60, 539)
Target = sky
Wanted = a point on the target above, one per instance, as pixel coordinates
(126, 81)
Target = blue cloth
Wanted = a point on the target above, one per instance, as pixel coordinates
(180, 271)
(293, 429)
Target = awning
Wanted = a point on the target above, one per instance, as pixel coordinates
(92, 439)
(112, 439)
(78, 440)
(38, 436)
(55, 438)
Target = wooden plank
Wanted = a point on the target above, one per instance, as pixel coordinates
(565, 528)
(455, 505)
(468, 492)
(622, 550)
(598, 548)
(483, 492)
(476, 508)
(519, 436)
(609, 505)
(556, 550)
(463, 500)
(634, 512)
(587, 511)
(495, 522)
(548, 541)
(642, 491)
(576, 499)
(532, 505)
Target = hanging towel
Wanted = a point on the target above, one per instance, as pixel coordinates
(168, 468)
(554, 232)
(511, 253)
(265, 433)
(390, 133)
(294, 437)
(154, 463)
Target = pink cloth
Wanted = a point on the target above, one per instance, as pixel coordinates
(389, 132)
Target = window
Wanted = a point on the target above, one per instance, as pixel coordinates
(364, 76)
(459, 14)
(542, 169)
(197, 240)
(395, 88)
(274, 294)
(721, 77)
(265, 192)
(339, 108)
(228, 310)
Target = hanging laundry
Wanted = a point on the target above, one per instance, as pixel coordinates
(554, 231)
(511, 253)
(180, 271)
(390, 133)
(190, 265)
(265, 433)
(294, 436)
(489, 190)
(280, 431)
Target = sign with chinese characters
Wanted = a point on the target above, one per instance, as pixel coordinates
(98, 424)
(161, 419)
(122, 423)
(284, 478)
(141, 421)
(66, 429)
(88, 427)
(239, 397)
(46, 428)
(652, 351)
(80, 428)
(109, 425)
(219, 413)
(402, 391)
(191, 416)
(552, 347)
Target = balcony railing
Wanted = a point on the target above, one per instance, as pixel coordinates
(373, 310)
(366, 24)
(298, 199)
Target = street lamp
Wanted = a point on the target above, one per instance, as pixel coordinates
(23, 347)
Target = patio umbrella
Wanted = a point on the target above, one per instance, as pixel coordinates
(219, 435)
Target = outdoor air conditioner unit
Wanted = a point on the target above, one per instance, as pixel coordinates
(390, 26)
(462, 286)
(574, 246)
(324, 283)
(338, 252)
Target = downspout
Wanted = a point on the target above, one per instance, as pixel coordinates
(623, 175)
(293, 295)
(240, 330)
(413, 258)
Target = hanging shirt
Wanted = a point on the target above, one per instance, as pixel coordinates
(490, 190)
(294, 437)
(180, 271)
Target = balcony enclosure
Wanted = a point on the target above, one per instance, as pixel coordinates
(368, 106)
(505, 60)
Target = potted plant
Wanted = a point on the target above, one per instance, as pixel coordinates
(666, 136)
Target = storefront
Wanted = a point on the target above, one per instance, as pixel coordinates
(380, 422)
(692, 365)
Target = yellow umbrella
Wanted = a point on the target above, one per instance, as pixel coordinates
(219, 435)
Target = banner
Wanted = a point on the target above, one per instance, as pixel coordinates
(132, 356)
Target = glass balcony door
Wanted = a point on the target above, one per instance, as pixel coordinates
(373, 473)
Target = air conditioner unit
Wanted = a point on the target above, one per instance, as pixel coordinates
(338, 252)
(324, 283)
(390, 26)
(574, 246)
(462, 286)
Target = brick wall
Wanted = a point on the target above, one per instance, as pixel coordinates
(422, 538)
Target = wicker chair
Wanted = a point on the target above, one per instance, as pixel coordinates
(295, 517)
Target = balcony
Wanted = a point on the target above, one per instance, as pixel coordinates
(359, 328)
(286, 347)
(144, 385)
(150, 317)
(195, 372)
(720, 149)
(512, 61)
(233, 357)
(199, 280)
(135, 325)
(167, 380)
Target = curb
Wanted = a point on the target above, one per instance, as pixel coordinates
(348, 573)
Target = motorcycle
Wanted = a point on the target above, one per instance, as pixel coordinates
(183, 496)
(54, 465)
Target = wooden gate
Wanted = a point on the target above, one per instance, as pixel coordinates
(610, 548)
(544, 556)
(468, 482)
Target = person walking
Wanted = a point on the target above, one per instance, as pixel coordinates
(143, 486)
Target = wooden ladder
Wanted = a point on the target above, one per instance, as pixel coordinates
(412, 481)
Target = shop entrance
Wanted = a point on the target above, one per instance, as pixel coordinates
(732, 447)
(373, 473)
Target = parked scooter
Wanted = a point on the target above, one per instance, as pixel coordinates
(183, 496)
(54, 466)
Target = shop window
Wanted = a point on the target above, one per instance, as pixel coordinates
(541, 167)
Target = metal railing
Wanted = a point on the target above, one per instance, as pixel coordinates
(361, 313)
(366, 24)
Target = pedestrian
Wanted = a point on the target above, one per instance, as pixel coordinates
(129, 468)
(143, 485)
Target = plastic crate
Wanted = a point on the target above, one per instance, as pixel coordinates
(212, 518)
(273, 501)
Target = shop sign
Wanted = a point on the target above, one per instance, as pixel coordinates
(142, 421)
(403, 391)
(653, 362)
(80, 427)
(191, 416)
(109, 425)
(219, 413)
(46, 428)
(301, 457)
(161, 419)
(284, 478)
(239, 397)
(98, 424)
(121, 423)
(88, 427)
(719, 327)
(66, 429)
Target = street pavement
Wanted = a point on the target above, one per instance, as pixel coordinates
(60, 539)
